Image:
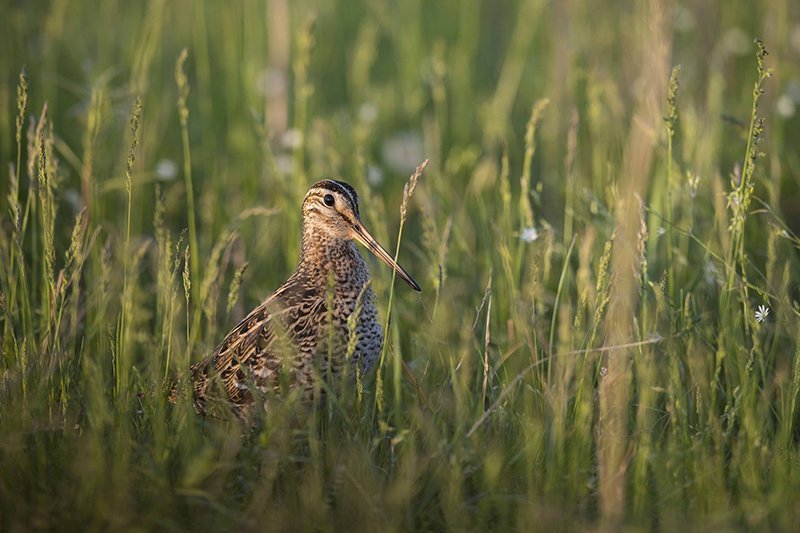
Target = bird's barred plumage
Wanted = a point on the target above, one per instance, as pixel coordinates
(302, 330)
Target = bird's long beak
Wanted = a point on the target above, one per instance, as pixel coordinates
(363, 236)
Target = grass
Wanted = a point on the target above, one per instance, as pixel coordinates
(604, 370)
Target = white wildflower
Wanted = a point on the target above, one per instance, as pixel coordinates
(529, 234)
(166, 169)
(785, 106)
(374, 175)
(403, 151)
(761, 313)
(292, 139)
(367, 112)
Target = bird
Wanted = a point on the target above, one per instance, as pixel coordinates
(303, 329)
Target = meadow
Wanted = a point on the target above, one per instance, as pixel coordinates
(606, 235)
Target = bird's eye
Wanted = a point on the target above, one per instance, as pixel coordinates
(329, 201)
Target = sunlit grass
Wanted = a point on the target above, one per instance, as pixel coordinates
(608, 332)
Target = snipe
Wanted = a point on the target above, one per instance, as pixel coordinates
(301, 330)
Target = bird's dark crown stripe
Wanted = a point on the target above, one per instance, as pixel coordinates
(342, 188)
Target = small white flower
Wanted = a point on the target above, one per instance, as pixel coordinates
(368, 112)
(374, 175)
(785, 106)
(529, 234)
(761, 313)
(403, 151)
(292, 139)
(603, 371)
(166, 169)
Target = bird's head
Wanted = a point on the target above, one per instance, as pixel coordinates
(330, 208)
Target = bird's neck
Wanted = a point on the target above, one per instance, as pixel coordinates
(323, 257)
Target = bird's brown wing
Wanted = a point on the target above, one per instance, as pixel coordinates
(253, 350)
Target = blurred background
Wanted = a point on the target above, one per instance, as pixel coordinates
(577, 206)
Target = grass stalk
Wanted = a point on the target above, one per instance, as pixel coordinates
(121, 353)
(183, 113)
(397, 361)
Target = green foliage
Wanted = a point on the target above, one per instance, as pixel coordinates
(585, 352)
